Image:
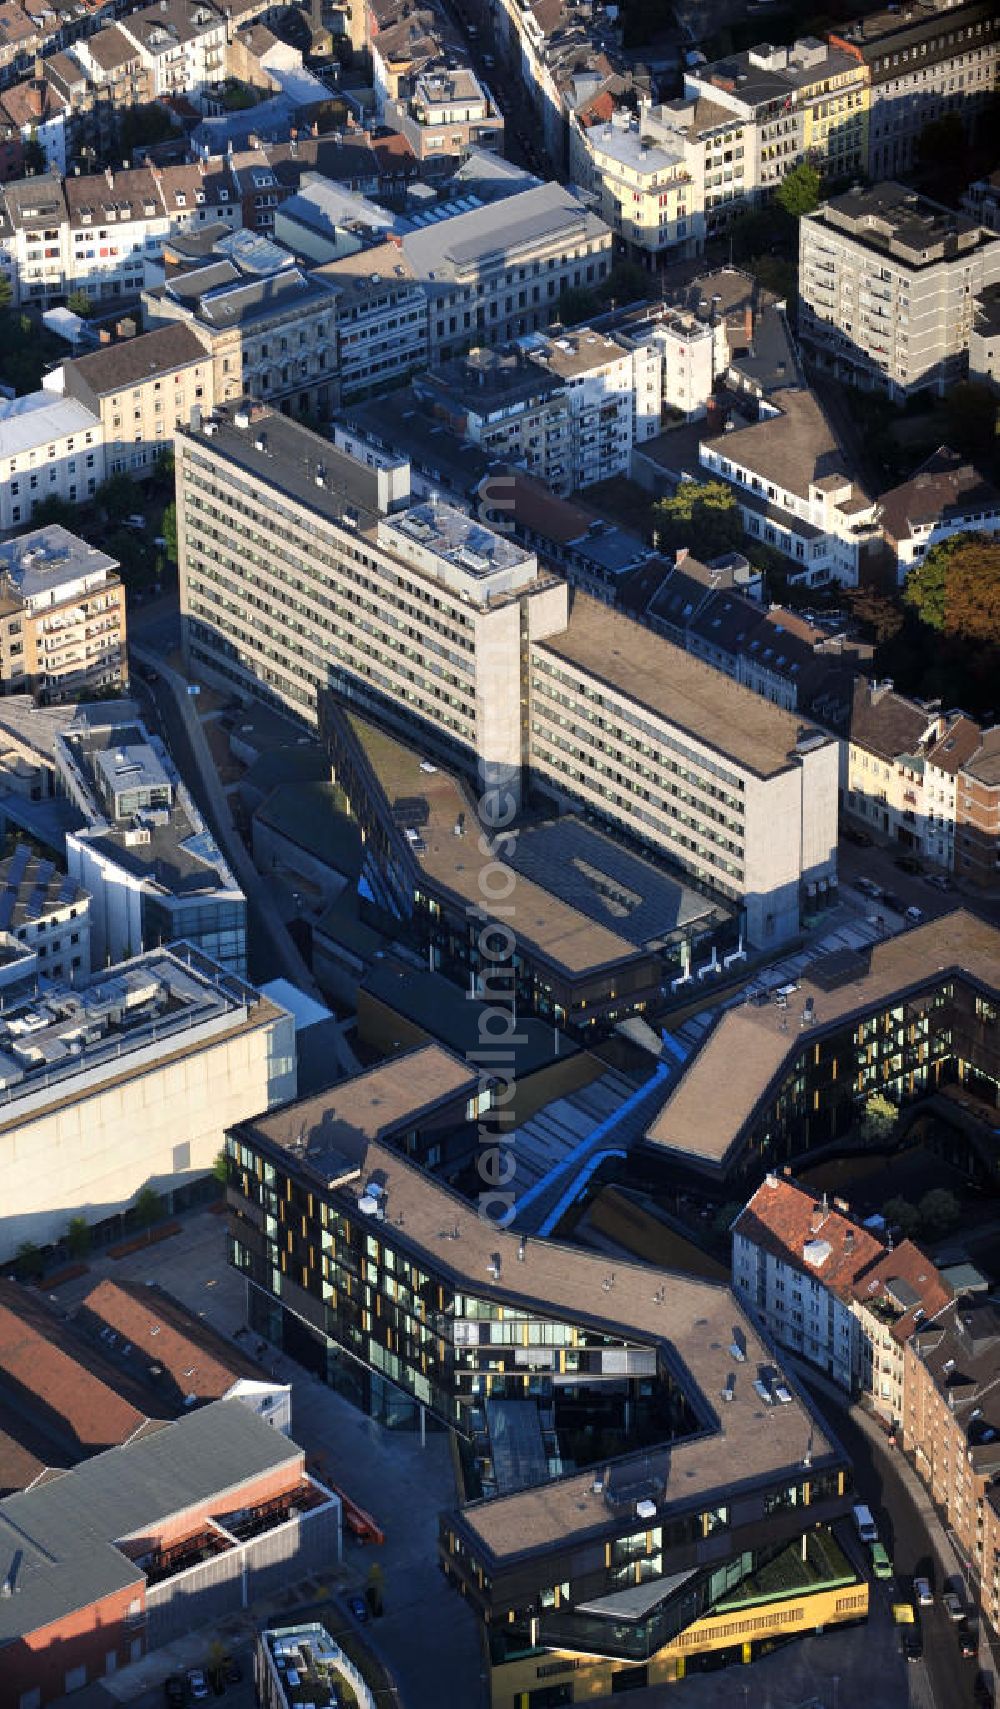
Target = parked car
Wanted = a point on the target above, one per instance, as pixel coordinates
(891, 900)
(868, 887)
(983, 1694)
(914, 916)
(923, 1592)
(860, 839)
(175, 1691)
(939, 880)
(909, 863)
(968, 1638)
(135, 521)
(953, 1606)
(359, 1608)
(197, 1685)
(232, 1670)
(881, 1564)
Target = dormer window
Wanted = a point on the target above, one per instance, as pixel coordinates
(181, 199)
(223, 195)
(199, 196)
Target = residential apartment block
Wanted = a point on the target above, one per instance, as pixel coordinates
(182, 44)
(887, 282)
(789, 1072)
(945, 496)
(648, 177)
(790, 480)
(804, 102)
(445, 112)
(62, 616)
(196, 1049)
(676, 1515)
(951, 1426)
(926, 779)
(921, 63)
(823, 1286)
(104, 232)
(50, 447)
(141, 390)
(152, 868)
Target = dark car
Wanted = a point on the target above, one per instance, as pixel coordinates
(359, 1608)
(860, 839)
(909, 863)
(983, 1694)
(889, 900)
(232, 1670)
(968, 1639)
(912, 1642)
(175, 1691)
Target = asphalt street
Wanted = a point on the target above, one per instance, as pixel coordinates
(951, 1677)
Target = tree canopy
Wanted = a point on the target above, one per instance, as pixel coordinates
(956, 589)
(798, 192)
(702, 516)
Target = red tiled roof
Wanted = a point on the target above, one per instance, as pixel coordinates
(76, 1399)
(904, 1263)
(200, 1361)
(599, 111)
(787, 1221)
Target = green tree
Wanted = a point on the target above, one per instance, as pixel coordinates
(6, 294)
(798, 192)
(899, 1213)
(147, 1208)
(116, 497)
(52, 509)
(702, 516)
(576, 305)
(78, 1237)
(141, 127)
(725, 1216)
(220, 1168)
(880, 1117)
(940, 1211)
(169, 528)
(79, 303)
(164, 467)
(30, 1262)
(956, 588)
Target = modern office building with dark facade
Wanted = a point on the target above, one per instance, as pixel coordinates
(645, 1489)
(790, 1071)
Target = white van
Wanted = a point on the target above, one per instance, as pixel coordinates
(866, 1527)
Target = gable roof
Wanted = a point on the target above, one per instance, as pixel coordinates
(819, 1241)
(187, 1350)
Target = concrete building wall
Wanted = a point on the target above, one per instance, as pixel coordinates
(160, 1124)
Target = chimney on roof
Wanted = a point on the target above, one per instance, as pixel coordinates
(748, 324)
(680, 555)
(109, 175)
(37, 91)
(202, 165)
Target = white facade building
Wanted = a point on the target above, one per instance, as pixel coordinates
(50, 447)
(129, 1081)
(790, 481)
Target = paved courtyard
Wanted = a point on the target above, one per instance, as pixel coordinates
(427, 1637)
